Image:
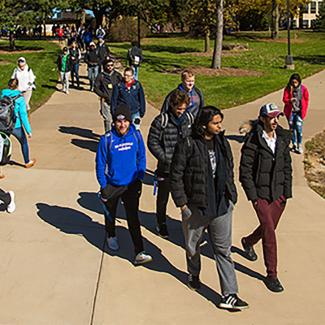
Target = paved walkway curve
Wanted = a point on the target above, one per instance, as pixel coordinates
(53, 269)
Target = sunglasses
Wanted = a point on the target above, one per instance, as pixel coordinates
(110, 65)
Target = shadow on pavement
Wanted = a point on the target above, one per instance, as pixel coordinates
(85, 133)
(74, 222)
(85, 144)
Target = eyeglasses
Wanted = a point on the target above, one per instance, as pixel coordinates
(128, 75)
(110, 65)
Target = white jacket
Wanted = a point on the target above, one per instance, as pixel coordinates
(26, 78)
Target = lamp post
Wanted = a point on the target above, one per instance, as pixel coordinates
(289, 59)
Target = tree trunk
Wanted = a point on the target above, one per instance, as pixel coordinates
(207, 40)
(275, 20)
(12, 41)
(139, 31)
(217, 51)
(99, 14)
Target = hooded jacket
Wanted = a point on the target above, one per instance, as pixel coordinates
(264, 174)
(26, 78)
(92, 58)
(120, 160)
(20, 109)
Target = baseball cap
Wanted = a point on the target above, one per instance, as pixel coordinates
(122, 112)
(21, 59)
(92, 44)
(270, 110)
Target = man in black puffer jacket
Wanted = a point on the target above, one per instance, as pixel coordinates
(165, 131)
(202, 186)
(265, 174)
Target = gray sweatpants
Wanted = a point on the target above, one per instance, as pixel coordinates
(219, 230)
(105, 111)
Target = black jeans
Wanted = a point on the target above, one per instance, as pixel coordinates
(5, 198)
(162, 199)
(130, 199)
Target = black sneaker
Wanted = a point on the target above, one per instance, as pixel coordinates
(194, 282)
(162, 231)
(249, 250)
(233, 302)
(273, 284)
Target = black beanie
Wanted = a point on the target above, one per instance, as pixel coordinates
(122, 112)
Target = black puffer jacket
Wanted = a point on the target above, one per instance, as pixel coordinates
(162, 140)
(189, 171)
(264, 174)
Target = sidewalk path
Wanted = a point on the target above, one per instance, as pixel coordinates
(53, 269)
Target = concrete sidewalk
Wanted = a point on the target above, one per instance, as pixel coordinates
(55, 268)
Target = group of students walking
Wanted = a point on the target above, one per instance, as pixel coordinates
(195, 165)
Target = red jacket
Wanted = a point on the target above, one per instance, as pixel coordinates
(287, 95)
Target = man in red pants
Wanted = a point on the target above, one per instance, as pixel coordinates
(266, 176)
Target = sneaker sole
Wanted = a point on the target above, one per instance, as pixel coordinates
(192, 288)
(230, 307)
(142, 262)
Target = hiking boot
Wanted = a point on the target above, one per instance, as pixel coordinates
(249, 250)
(232, 302)
(163, 231)
(30, 164)
(273, 284)
(112, 243)
(194, 282)
(11, 206)
(142, 258)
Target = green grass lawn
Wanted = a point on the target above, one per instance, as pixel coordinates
(264, 56)
(41, 57)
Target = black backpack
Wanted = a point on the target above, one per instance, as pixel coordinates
(7, 113)
(5, 149)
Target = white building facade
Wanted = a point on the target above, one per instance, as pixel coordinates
(309, 14)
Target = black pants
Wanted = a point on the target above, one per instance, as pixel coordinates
(5, 197)
(162, 199)
(130, 199)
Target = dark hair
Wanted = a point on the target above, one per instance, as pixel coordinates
(129, 70)
(204, 116)
(106, 61)
(294, 76)
(13, 83)
(65, 49)
(177, 98)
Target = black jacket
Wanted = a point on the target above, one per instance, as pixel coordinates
(264, 174)
(189, 171)
(104, 84)
(163, 137)
(102, 52)
(132, 53)
(92, 58)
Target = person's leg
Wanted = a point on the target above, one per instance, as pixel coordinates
(105, 111)
(27, 96)
(20, 135)
(162, 200)
(67, 76)
(90, 72)
(299, 125)
(72, 75)
(136, 72)
(110, 215)
(76, 72)
(220, 232)
(62, 75)
(131, 199)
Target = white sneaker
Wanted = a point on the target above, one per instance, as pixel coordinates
(11, 206)
(300, 150)
(112, 243)
(142, 258)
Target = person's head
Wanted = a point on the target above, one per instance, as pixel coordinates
(74, 45)
(13, 84)
(92, 45)
(122, 119)
(269, 116)
(21, 62)
(295, 80)
(108, 65)
(128, 74)
(178, 102)
(135, 43)
(188, 79)
(65, 50)
(208, 123)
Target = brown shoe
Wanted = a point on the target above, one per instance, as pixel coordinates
(30, 164)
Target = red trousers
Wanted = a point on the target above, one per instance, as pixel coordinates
(269, 215)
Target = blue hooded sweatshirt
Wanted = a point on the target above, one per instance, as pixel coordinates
(120, 160)
(20, 109)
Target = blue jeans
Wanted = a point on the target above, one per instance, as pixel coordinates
(75, 73)
(92, 75)
(296, 123)
(136, 71)
(20, 135)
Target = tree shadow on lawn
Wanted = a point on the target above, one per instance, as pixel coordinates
(90, 201)
(71, 221)
(168, 48)
(311, 59)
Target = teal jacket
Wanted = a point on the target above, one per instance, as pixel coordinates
(20, 109)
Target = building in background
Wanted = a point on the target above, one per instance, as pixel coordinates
(308, 14)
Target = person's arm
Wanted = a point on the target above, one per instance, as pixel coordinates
(286, 96)
(23, 114)
(101, 162)
(141, 156)
(114, 99)
(304, 110)
(287, 173)
(154, 140)
(231, 171)
(13, 76)
(142, 101)
(97, 87)
(32, 77)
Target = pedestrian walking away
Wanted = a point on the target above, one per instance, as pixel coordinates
(75, 56)
(104, 84)
(195, 94)
(123, 144)
(21, 120)
(92, 60)
(266, 177)
(26, 80)
(8, 201)
(135, 58)
(130, 92)
(296, 101)
(103, 52)
(202, 186)
(64, 64)
(165, 131)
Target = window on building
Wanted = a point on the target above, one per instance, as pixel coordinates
(304, 9)
(313, 7)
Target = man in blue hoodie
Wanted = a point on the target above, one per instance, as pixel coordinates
(120, 169)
